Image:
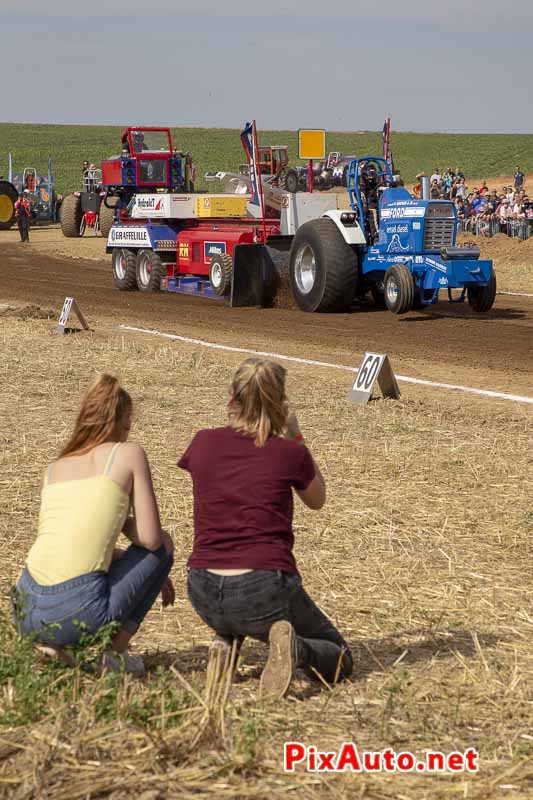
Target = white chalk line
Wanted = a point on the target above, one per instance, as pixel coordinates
(310, 362)
(516, 294)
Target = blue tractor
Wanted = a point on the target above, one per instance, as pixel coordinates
(401, 250)
(38, 189)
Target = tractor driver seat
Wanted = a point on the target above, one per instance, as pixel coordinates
(369, 186)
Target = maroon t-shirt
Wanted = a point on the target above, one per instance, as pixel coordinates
(243, 500)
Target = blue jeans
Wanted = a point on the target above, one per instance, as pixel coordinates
(235, 606)
(62, 613)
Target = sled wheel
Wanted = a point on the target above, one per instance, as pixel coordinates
(123, 263)
(323, 267)
(150, 270)
(481, 298)
(220, 274)
(399, 289)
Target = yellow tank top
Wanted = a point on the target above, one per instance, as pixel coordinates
(79, 523)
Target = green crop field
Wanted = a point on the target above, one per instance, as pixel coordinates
(215, 148)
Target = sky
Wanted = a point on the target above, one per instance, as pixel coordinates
(431, 65)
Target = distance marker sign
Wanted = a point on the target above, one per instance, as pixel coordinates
(374, 366)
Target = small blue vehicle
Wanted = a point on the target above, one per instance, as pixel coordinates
(401, 250)
(39, 190)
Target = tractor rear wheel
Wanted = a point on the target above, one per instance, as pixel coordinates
(221, 274)
(150, 270)
(123, 263)
(71, 216)
(107, 215)
(323, 267)
(8, 198)
(399, 289)
(481, 298)
(288, 181)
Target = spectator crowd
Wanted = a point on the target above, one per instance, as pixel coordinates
(480, 210)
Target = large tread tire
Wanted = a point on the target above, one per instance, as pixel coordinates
(481, 298)
(71, 216)
(289, 181)
(107, 215)
(124, 266)
(8, 198)
(323, 268)
(221, 274)
(150, 270)
(399, 289)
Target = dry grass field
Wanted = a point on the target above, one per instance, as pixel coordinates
(422, 556)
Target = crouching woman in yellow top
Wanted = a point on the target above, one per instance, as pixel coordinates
(74, 580)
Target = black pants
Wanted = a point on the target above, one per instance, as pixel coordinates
(247, 605)
(24, 227)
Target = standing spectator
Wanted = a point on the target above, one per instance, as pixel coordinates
(434, 192)
(461, 189)
(519, 178)
(23, 214)
(459, 173)
(447, 183)
(505, 212)
(484, 189)
(478, 202)
(436, 175)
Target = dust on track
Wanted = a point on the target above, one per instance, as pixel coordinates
(447, 343)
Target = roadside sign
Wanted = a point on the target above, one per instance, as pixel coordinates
(70, 305)
(374, 367)
(311, 143)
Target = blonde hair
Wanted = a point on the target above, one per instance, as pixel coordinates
(257, 405)
(103, 407)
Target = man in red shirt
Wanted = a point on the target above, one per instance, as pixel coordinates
(23, 214)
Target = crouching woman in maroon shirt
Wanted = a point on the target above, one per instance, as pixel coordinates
(243, 579)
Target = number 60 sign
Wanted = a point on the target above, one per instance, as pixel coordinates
(374, 366)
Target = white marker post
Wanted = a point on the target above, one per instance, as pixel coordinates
(374, 366)
(70, 305)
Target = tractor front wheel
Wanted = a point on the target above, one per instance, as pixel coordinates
(323, 267)
(150, 270)
(399, 289)
(123, 263)
(220, 274)
(481, 298)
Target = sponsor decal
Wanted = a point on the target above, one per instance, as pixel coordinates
(213, 249)
(184, 250)
(436, 265)
(207, 202)
(285, 201)
(396, 244)
(148, 203)
(416, 226)
(129, 236)
(399, 212)
(443, 281)
(397, 228)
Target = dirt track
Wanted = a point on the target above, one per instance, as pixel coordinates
(447, 343)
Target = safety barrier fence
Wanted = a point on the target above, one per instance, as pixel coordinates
(517, 228)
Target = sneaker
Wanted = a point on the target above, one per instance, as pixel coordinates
(279, 669)
(111, 661)
(57, 653)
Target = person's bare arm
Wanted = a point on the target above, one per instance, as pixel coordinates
(144, 528)
(314, 496)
